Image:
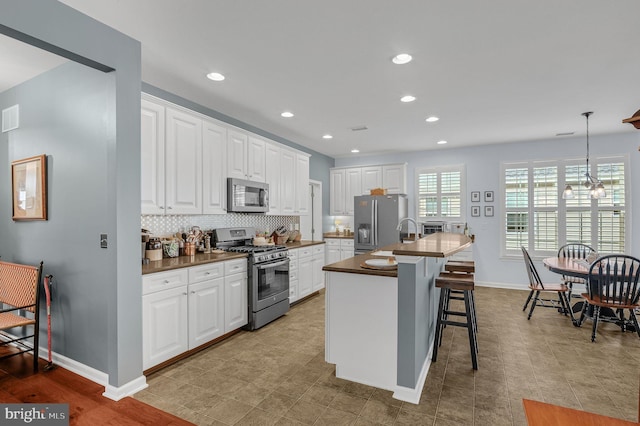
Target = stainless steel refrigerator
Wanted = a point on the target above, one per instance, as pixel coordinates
(375, 220)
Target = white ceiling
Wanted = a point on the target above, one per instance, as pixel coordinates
(493, 71)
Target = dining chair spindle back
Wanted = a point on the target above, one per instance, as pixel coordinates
(613, 282)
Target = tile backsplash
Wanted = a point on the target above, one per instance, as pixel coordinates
(164, 225)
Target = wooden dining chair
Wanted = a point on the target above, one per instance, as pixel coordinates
(576, 251)
(537, 287)
(20, 307)
(613, 282)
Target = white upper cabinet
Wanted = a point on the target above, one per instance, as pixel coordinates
(183, 163)
(214, 168)
(186, 158)
(394, 178)
(371, 178)
(272, 174)
(336, 194)
(302, 185)
(152, 158)
(348, 182)
(236, 154)
(256, 154)
(287, 182)
(245, 156)
(353, 187)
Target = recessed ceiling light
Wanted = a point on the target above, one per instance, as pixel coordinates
(407, 98)
(287, 114)
(355, 151)
(432, 119)
(401, 59)
(215, 76)
(441, 142)
(327, 137)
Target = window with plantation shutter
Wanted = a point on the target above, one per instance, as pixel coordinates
(536, 216)
(440, 193)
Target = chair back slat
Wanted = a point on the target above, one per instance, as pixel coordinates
(614, 279)
(576, 251)
(534, 277)
(19, 284)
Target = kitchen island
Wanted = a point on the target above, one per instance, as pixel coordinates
(380, 324)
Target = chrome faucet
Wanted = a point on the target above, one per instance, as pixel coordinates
(408, 219)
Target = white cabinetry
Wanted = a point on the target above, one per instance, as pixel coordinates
(371, 178)
(394, 178)
(236, 306)
(348, 182)
(272, 175)
(186, 308)
(338, 249)
(305, 271)
(245, 156)
(152, 158)
(294, 183)
(183, 163)
(317, 262)
(214, 168)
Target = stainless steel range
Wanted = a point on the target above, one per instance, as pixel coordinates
(268, 274)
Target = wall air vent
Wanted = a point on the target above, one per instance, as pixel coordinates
(359, 128)
(10, 118)
(565, 134)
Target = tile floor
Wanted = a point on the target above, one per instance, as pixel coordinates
(277, 375)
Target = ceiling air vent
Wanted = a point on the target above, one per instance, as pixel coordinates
(359, 128)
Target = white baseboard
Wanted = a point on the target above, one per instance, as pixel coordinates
(508, 286)
(412, 395)
(128, 389)
(97, 376)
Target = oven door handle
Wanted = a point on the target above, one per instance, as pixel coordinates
(271, 265)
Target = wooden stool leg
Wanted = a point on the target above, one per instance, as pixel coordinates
(473, 313)
(472, 335)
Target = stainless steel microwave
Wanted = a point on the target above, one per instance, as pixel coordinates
(245, 196)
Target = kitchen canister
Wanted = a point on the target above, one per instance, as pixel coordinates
(170, 248)
(189, 249)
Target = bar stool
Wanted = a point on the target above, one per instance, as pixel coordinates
(457, 283)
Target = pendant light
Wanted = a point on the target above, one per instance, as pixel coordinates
(596, 188)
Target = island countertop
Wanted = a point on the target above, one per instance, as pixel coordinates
(351, 265)
(440, 244)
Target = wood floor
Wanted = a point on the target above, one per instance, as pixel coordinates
(87, 406)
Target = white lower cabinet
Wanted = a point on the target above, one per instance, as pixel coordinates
(338, 249)
(206, 311)
(186, 308)
(305, 271)
(236, 308)
(317, 262)
(164, 325)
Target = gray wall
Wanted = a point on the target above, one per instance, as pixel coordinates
(483, 173)
(319, 164)
(94, 178)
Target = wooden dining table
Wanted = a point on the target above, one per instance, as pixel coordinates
(544, 414)
(566, 266)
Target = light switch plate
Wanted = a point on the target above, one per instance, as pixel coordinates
(103, 240)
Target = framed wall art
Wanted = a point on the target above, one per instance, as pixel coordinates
(475, 210)
(488, 196)
(475, 196)
(29, 188)
(488, 211)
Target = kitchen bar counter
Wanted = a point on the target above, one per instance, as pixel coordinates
(380, 326)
